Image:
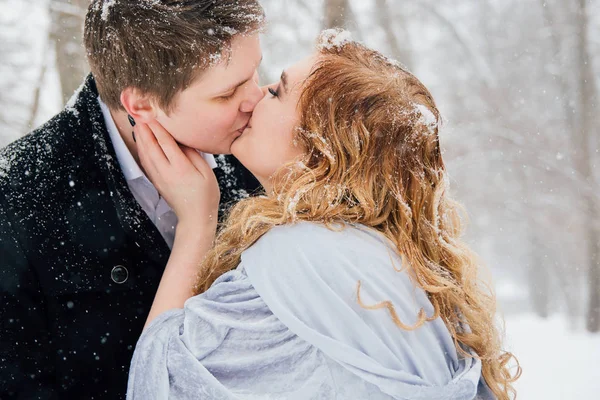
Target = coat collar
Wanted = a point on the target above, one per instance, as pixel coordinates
(130, 168)
(132, 217)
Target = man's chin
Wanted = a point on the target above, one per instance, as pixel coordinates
(216, 150)
(225, 148)
(233, 149)
(228, 151)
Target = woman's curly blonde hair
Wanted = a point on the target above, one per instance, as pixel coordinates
(370, 130)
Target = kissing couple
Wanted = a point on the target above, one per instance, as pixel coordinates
(180, 232)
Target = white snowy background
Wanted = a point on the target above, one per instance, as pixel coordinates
(516, 82)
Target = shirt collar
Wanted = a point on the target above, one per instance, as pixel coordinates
(129, 166)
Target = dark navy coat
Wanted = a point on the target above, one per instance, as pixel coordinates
(80, 261)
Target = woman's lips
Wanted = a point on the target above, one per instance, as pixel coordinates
(241, 131)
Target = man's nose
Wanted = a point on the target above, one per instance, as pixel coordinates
(254, 94)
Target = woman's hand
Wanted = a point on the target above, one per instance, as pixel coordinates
(190, 187)
(180, 174)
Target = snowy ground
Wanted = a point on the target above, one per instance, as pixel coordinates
(557, 363)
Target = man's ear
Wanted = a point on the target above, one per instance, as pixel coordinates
(139, 106)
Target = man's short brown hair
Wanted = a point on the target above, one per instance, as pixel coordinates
(161, 46)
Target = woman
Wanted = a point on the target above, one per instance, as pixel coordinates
(348, 280)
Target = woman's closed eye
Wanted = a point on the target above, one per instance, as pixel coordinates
(274, 93)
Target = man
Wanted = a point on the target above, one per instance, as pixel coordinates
(84, 235)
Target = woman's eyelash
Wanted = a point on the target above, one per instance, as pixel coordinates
(273, 92)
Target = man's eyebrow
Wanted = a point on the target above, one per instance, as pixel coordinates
(232, 87)
(235, 86)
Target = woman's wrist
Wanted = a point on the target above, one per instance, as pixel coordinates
(192, 242)
(195, 231)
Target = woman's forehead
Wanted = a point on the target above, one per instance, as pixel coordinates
(301, 70)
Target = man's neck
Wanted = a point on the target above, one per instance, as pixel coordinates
(125, 129)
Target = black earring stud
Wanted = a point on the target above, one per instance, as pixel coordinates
(132, 122)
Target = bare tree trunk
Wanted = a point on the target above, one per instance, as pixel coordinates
(66, 33)
(38, 87)
(401, 53)
(13, 67)
(588, 97)
(336, 13)
(550, 24)
(36, 96)
(539, 277)
(593, 313)
(464, 42)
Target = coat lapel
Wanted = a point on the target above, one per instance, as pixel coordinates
(132, 217)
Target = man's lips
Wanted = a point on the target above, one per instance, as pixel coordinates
(241, 130)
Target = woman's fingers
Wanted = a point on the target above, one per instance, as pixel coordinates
(150, 147)
(169, 146)
(183, 178)
(197, 161)
(146, 163)
(160, 153)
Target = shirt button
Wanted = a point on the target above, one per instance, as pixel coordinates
(119, 274)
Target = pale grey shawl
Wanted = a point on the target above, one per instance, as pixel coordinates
(286, 324)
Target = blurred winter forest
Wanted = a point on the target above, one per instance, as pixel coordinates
(516, 81)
